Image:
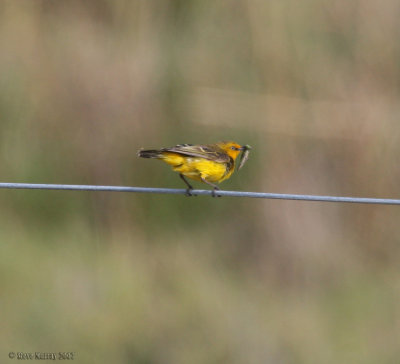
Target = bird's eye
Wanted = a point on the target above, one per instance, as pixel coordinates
(233, 148)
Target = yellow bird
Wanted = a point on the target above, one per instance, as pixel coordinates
(210, 164)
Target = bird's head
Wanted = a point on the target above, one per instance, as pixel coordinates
(234, 149)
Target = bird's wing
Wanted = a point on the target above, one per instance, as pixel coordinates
(210, 152)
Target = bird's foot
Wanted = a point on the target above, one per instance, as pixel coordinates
(213, 194)
(189, 192)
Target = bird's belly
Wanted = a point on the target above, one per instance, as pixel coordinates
(197, 168)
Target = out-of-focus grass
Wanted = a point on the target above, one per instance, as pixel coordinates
(118, 299)
(313, 87)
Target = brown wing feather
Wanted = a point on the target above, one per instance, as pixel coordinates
(210, 152)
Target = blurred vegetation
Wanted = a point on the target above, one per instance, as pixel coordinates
(313, 86)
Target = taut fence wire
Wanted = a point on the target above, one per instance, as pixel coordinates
(279, 196)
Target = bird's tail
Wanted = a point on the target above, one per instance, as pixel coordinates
(149, 153)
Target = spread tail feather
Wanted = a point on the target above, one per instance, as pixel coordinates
(149, 153)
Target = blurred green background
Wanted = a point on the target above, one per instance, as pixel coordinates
(313, 86)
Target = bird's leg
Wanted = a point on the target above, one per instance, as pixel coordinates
(190, 187)
(215, 187)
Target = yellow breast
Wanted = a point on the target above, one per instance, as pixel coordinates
(197, 168)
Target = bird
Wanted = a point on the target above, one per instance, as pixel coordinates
(210, 164)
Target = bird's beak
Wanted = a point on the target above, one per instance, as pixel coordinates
(245, 147)
(244, 156)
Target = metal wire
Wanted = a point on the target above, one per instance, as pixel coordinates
(280, 196)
